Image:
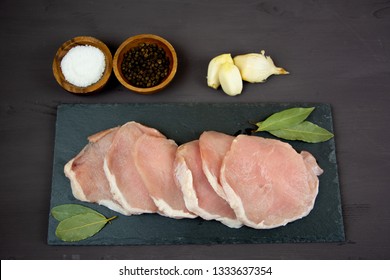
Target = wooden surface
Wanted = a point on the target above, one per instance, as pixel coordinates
(337, 52)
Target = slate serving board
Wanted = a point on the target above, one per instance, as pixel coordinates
(184, 122)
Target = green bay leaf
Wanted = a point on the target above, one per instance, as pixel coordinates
(284, 119)
(65, 211)
(81, 226)
(305, 131)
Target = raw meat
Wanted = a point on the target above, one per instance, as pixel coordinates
(126, 184)
(244, 180)
(154, 158)
(213, 147)
(200, 198)
(86, 174)
(267, 183)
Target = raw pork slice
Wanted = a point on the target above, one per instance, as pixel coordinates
(213, 147)
(86, 174)
(154, 158)
(267, 183)
(126, 184)
(200, 198)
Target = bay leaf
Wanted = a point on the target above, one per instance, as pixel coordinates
(65, 211)
(284, 119)
(81, 226)
(305, 131)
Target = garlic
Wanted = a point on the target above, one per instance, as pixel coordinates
(212, 71)
(256, 67)
(230, 79)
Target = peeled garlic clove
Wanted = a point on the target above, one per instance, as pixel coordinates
(212, 71)
(256, 67)
(230, 79)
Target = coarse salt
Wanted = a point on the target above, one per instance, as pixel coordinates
(83, 66)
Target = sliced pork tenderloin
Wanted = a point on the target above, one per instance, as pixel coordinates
(267, 183)
(126, 184)
(213, 147)
(199, 197)
(154, 158)
(86, 174)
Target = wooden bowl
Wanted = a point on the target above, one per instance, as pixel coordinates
(81, 41)
(134, 42)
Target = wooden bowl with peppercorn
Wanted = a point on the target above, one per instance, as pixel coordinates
(145, 63)
(82, 65)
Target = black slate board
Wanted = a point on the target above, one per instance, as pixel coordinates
(184, 122)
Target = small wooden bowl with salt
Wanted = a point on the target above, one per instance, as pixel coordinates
(82, 65)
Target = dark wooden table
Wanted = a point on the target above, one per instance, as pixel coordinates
(338, 52)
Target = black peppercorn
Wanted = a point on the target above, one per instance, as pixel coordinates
(146, 65)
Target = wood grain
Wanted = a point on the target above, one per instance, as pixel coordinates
(336, 51)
